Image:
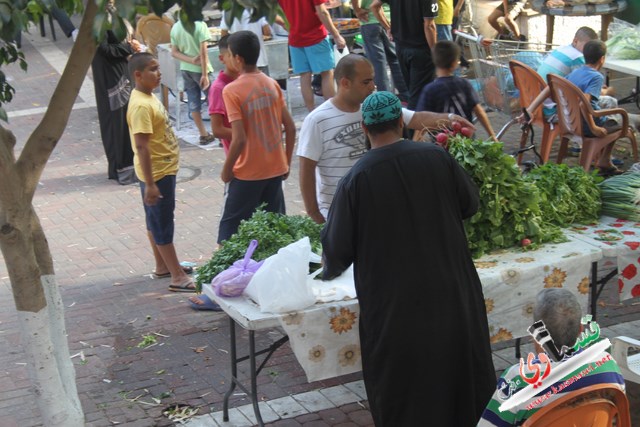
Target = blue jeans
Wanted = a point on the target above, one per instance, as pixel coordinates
(443, 32)
(381, 51)
(159, 217)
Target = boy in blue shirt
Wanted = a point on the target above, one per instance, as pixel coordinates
(590, 81)
(449, 93)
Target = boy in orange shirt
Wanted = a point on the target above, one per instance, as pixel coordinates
(257, 161)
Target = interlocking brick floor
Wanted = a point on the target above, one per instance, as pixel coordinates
(97, 237)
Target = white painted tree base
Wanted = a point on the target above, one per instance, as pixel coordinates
(48, 362)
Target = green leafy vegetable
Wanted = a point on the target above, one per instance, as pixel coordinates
(568, 195)
(621, 196)
(509, 205)
(625, 44)
(272, 231)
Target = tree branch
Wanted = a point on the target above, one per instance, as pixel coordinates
(10, 185)
(40, 245)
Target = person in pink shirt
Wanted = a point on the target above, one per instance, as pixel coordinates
(220, 125)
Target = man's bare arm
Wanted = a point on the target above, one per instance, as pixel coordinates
(325, 18)
(430, 32)
(308, 189)
(238, 142)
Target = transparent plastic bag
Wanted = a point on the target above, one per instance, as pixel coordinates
(623, 41)
(281, 284)
(232, 281)
(339, 54)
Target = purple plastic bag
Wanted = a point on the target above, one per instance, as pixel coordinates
(232, 281)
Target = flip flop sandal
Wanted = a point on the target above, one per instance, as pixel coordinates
(205, 304)
(609, 171)
(187, 286)
(186, 269)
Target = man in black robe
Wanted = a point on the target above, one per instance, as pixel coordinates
(112, 87)
(397, 216)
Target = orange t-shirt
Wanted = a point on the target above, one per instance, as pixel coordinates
(257, 100)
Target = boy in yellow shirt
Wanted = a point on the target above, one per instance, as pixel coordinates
(444, 20)
(156, 157)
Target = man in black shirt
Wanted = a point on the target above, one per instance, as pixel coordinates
(414, 32)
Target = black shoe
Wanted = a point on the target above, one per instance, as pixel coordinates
(207, 139)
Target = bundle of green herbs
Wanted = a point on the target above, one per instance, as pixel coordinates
(509, 212)
(568, 195)
(272, 231)
(621, 196)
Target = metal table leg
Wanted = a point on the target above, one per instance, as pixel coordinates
(252, 392)
(234, 369)
(254, 386)
(595, 290)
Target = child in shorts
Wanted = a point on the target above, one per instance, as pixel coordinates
(257, 161)
(510, 10)
(156, 156)
(449, 93)
(191, 50)
(220, 125)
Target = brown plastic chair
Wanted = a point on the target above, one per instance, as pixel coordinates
(597, 405)
(530, 84)
(574, 109)
(154, 30)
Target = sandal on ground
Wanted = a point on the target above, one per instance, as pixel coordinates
(203, 303)
(609, 171)
(207, 139)
(186, 286)
(186, 269)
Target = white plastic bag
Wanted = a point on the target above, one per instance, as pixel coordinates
(280, 285)
(337, 55)
(341, 288)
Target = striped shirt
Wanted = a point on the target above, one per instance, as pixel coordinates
(561, 62)
(335, 140)
(604, 371)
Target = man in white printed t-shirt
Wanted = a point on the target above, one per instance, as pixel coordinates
(331, 139)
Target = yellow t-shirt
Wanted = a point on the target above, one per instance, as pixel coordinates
(146, 114)
(445, 12)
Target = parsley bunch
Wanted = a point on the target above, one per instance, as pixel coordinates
(509, 210)
(272, 231)
(568, 195)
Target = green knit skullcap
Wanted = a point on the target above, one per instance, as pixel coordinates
(380, 107)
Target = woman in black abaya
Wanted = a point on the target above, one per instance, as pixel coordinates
(112, 86)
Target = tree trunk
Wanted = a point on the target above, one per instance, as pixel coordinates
(26, 251)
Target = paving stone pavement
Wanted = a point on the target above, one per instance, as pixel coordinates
(96, 232)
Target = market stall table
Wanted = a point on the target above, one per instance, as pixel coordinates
(618, 239)
(324, 336)
(626, 66)
(606, 10)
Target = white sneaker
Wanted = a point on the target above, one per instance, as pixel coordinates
(74, 34)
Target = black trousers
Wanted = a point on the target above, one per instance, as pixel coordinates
(417, 69)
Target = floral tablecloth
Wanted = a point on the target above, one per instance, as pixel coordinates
(619, 239)
(512, 278)
(325, 337)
